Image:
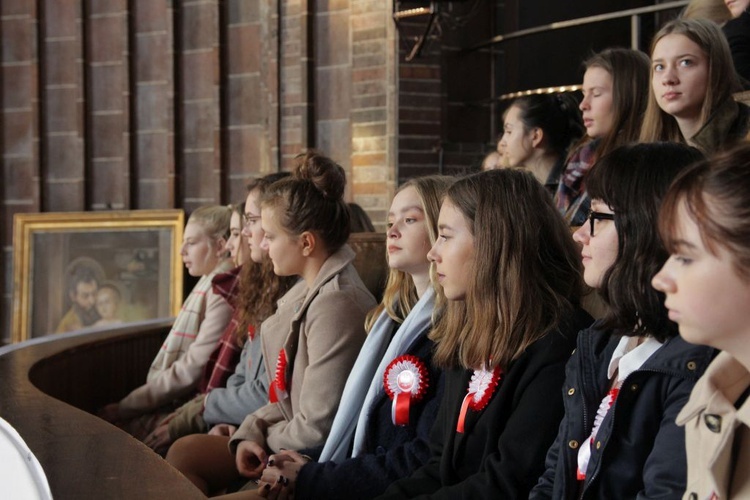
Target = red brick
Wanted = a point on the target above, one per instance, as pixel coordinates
(200, 124)
(201, 73)
(108, 135)
(242, 11)
(107, 6)
(153, 107)
(200, 26)
(18, 40)
(18, 86)
(367, 74)
(61, 18)
(333, 92)
(332, 39)
(152, 61)
(62, 112)
(18, 132)
(107, 88)
(368, 159)
(107, 39)
(244, 48)
(18, 178)
(245, 105)
(109, 184)
(63, 62)
(64, 157)
(151, 15)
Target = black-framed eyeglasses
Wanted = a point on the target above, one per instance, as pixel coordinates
(595, 216)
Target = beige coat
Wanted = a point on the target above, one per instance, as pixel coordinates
(712, 426)
(321, 332)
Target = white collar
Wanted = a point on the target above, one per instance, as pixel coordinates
(629, 356)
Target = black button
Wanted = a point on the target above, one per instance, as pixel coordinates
(713, 422)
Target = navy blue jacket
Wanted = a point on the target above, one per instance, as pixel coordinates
(501, 453)
(642, 450)
(392, 452)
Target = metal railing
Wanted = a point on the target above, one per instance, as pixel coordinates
(633, 14)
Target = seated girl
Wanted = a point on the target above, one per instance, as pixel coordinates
(692, 82)
(508, 267)
(381, 430)
(234, 374)
(705, 225)
(175, 371)
(537, 131)
(630, 373)
(615, 91)
(310, 343)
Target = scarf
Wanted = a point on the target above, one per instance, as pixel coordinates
(368, 372)
(186, 325)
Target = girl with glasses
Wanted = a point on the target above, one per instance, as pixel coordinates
(508, 268)
(310, 343)
(234, 376)
(631, 373)
(705, 224)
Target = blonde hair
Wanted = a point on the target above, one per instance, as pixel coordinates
(714, 10)
(722, 78)
(214, 219)
(400, 293)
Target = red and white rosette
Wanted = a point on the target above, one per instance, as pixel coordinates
(405, 381)
(481, 388)
(277, 391)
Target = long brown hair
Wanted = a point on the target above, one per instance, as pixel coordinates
(722, 78)
(400, 294)
(629, 71)
(259, 288)
(526, 271)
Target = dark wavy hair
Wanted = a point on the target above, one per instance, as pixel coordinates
(632, 180)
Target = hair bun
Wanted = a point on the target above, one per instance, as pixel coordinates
(326, 175)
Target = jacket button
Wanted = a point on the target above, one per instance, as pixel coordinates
(633, 387)
(598, 445)
(692, 365)
(713, 422)
(573, 443)
(571, 391)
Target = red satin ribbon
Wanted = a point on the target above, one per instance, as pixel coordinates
(464, 410)
(401, 408)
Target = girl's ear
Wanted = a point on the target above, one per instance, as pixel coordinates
(308, 242)
(536, 136)
(221, 252)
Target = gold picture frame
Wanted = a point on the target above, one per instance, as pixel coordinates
(124, 262)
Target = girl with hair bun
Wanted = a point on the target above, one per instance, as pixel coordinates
(537, 131)
(311, 342)
(381, 431)
(177, 367)
(692, 82)
(705, 225)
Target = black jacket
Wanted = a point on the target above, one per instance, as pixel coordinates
(642, 451)
(393, 452)
(501, 453)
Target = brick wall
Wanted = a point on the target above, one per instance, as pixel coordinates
(148, 104)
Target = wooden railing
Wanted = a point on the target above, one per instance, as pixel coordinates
(49, 390)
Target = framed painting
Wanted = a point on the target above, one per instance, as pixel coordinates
(75, 270)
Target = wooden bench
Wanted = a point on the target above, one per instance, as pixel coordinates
(49, 389)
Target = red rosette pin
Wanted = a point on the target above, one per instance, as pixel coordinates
(481, 388)
(405, 381)
(277, 390)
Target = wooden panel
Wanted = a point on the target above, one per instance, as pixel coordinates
(82, 455)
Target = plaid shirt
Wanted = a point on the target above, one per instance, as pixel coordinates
(225, 357)
(571, 198)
